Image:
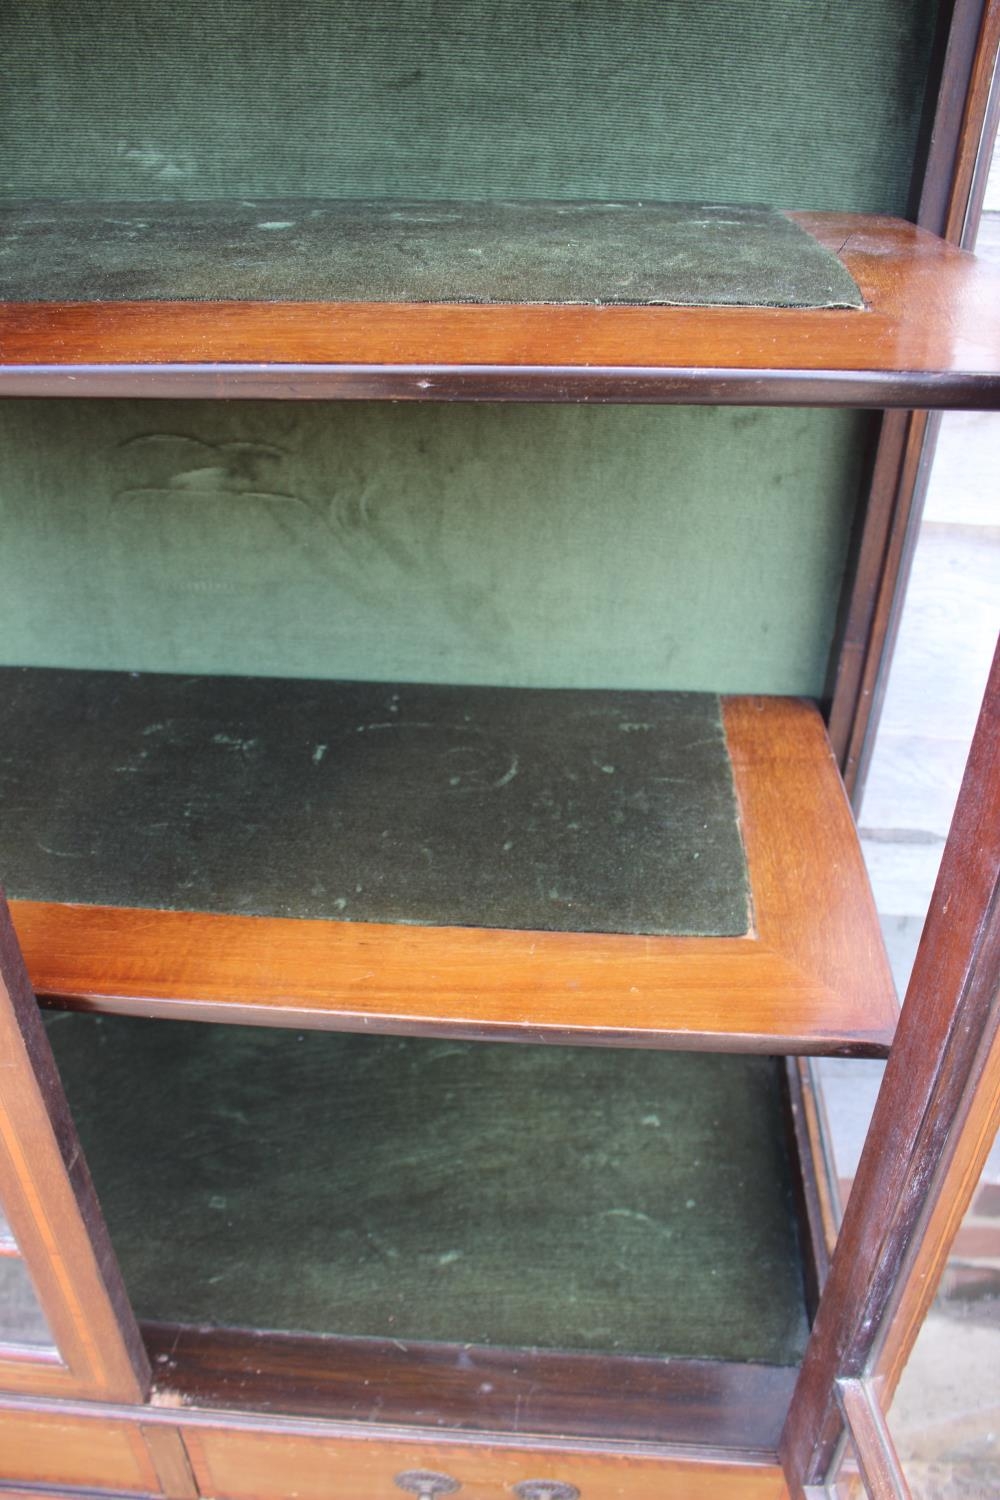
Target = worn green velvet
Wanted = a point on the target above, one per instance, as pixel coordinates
(536, 546)
(574, 1198)
(483, 807)
(533, 546)
(404, 251)
(781, 101)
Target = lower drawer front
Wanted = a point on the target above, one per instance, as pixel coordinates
(39, 1449)
(237, 1465)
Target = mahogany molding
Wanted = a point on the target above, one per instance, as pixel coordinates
(811, 976)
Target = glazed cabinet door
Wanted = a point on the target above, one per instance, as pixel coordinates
(65, 1324)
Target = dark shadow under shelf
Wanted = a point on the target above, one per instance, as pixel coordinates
(578, 1199)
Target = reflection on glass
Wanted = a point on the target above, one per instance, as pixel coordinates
(22, 1321)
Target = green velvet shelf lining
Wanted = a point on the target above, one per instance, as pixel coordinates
(513, 1196)
(484, 807)
(406, 251)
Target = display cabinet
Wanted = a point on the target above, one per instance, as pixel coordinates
(457, 463)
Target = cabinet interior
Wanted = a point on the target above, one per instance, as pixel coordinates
(604, 1200)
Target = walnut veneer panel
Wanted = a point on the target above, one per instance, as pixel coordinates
(40, 1448)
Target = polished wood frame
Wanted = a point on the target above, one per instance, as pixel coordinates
(939, 1107)
(52, 1209)
(811, 975)
(246, 1456)
(929, 336)
(871, 1441)
(961, 131)
(728, 1406)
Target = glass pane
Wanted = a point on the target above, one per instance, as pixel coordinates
(6, 1233)
(22, 1321)
(945, 1419)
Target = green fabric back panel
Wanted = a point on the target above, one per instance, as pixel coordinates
(579, 1198)
(570, 546)
(391, 250)
(788, 102)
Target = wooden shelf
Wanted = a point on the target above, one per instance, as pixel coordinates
(929, 336)
(580, 899)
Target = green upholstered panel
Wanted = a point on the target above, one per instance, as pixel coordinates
(689, 548)
(580, 1198)
(391, 250)
(795, 103)
(487, 807)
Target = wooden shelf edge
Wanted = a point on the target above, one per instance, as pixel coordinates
(872, 390)
(929, 337)
(811, 978)
(472, 983)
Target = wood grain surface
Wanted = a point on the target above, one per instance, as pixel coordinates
(237, 1465)
(51, 1449)
(459, 1388)
(929, 336)
(977, 108)
(169, 1456)
(811, 977)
